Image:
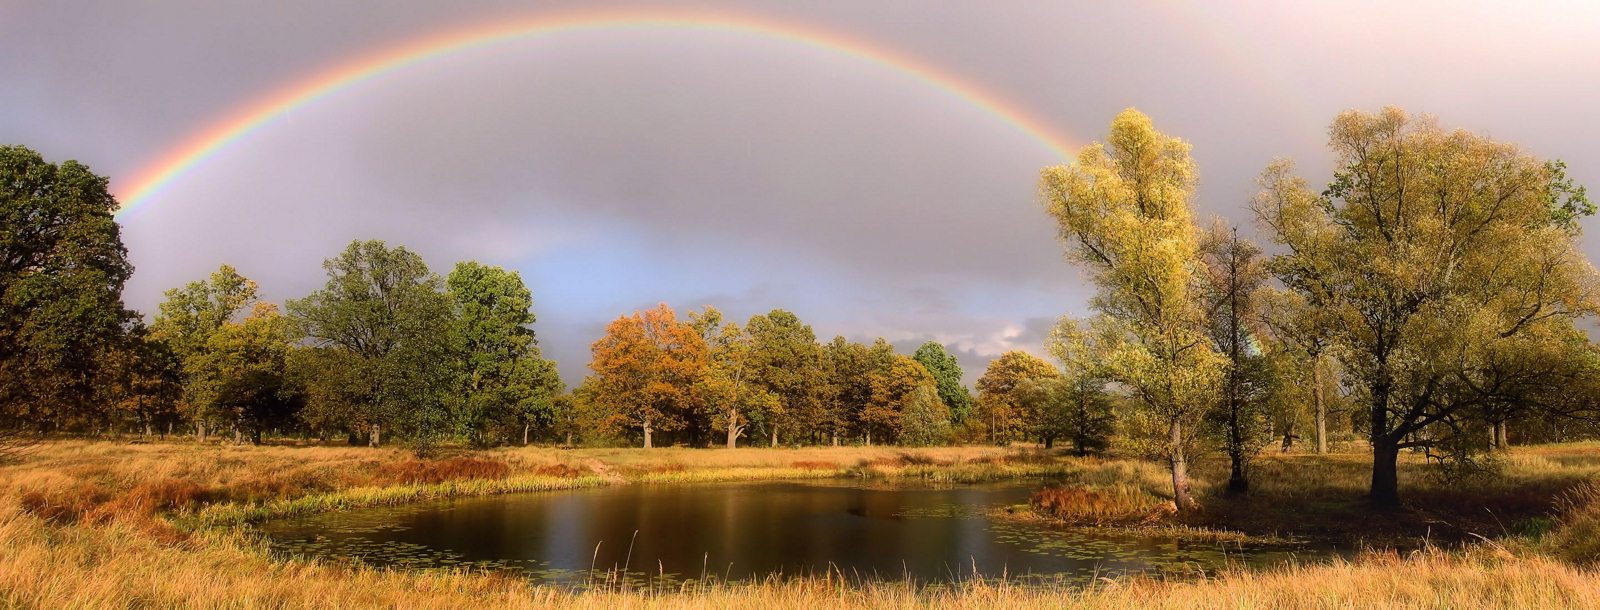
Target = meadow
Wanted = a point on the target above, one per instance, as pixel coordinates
(166, 525)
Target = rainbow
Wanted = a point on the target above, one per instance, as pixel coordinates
(205, 144)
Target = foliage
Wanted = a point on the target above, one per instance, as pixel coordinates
(62, 268)
(786, 363)
(1125, 209)
(947, 372)
(646, 370)
(1436, 255)
(924, 418)
(1001, 390)
(383, 314)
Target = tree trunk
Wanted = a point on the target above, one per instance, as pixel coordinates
(1049, 442)
(774, 437)
(869, 438)
(733, 428)
(169, 430)
(375, 436)
(569, 439)
(525, 427)
(147, 429)
(255, 437)
(647, 432)
(836, 438)
(1180, 469)
(1385, 492)
(1321, 405)
(200, 431)
(1502, 440)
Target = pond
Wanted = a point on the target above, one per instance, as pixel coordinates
(750, 530)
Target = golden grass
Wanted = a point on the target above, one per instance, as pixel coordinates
(103, 525)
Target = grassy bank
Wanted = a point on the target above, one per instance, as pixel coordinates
(155, 525)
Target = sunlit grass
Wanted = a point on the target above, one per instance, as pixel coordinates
(109, 525)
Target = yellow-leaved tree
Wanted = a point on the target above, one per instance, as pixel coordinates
(1124, 209)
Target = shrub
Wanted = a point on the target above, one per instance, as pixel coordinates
(1100, 504)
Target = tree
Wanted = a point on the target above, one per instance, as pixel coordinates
(1124, 208)
(1436, 250)
(1234, 274)
(647, 367)
(1001, 389)
(62, 268)
(1072, 407)
(143, 380)
(1302, 331)
(189, 318)
(240, 376)
(847, 368)
(924, 418)
(504, 379)
(947, 372)
(727, 385)
(786, 362)
(386, 322)
(895, 389)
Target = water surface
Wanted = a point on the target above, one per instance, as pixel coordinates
(745, 530)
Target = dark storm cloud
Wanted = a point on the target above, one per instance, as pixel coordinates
(620, 169)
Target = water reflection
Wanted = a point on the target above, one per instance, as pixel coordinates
(745, 530)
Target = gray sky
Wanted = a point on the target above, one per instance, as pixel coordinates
(619, 168)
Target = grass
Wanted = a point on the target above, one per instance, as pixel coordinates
(156, 525)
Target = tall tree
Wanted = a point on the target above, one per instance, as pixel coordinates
(62, 267)
(188, 319)
(241, 377)
(947, 372)
(786, 362)
(504, 378)
(143, 380)
(387, 321)
(847, 367)
(1001, 390)
(1435, 248)
(728, 386)
(1303, 330)
(1124, 207)
(1234, 275)
(900, 393)
(647, 368)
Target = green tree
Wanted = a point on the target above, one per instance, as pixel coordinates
(1124, 208)
(847, 367)
(786, 362)
(728, 384)
(924, 418)
(1001, 389)
(241, 377)
(385, 317)
(62, 268)
(947, 371)
(896, 388)
(188, 319)
(1434, 250)
(505, 381)
(143, 380)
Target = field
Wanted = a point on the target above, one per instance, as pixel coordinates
(99, 525)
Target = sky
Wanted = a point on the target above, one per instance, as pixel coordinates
(616, 168)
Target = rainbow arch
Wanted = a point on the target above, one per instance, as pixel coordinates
(253, 116)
